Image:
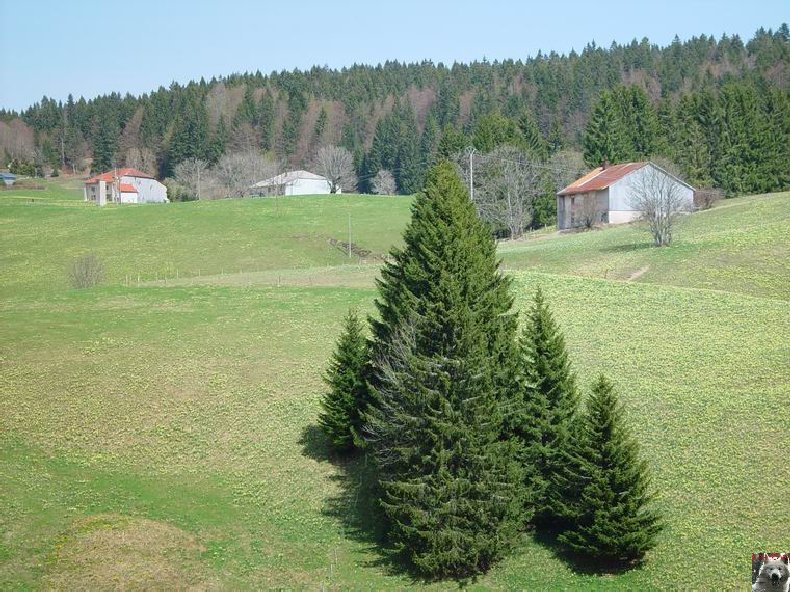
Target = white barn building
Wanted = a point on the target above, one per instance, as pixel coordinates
(607, 191)
(293, 183)
(125, 186)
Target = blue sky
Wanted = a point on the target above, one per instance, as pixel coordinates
(90, 47)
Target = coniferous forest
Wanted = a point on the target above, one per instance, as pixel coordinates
(718, 108)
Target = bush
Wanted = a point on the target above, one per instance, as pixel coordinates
(86, 271)
(706, 198)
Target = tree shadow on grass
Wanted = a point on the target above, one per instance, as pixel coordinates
(580, 564)
(356, 504)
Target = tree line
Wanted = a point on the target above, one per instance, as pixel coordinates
(718, 108)
(473, 420)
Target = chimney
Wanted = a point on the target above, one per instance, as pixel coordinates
(604, 164)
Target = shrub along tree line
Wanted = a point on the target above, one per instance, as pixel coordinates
(475, 430)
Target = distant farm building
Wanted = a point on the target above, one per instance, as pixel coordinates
(125, 186)
(607, 191)
(293, 183)
(7, 178)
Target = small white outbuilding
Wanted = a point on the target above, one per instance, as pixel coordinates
(293, 183)
(608, 192)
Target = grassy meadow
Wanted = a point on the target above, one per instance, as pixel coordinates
(164, 434)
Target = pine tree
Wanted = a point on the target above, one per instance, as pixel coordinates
(340, 416)
(613, 521)
(443, 357)
(550, 408)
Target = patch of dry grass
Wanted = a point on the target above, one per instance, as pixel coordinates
(113, 552)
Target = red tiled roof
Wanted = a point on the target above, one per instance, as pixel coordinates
(128, 188)
(601, 178)
(127, 172)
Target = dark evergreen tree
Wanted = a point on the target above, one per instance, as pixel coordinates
(297, 105)
(556, 140)
(266, 121)
(408, 169)
(605, 138)
(443, 358)
(105, 146)
(248, 108)
(496, 130)
(320, 123)
(742, 152)
(218, 143)
(429, 143)
(340, 408)
(689, 141)
(613, 521)
(639, 120)
(452, 142)
(533, 139)
(190, 133)
(549, 409)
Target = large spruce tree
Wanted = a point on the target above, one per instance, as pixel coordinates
(545, 423)
(443, 362)
(341, 405)
(614, 521)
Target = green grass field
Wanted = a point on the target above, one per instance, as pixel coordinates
(57, 189)
(164, 435)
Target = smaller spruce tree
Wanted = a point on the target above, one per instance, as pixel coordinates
(545, 425)
(340, 415)
(613, 521)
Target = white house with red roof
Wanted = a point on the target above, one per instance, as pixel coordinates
(606, 194)
(125, 186)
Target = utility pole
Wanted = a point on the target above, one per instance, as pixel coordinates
(472, 150)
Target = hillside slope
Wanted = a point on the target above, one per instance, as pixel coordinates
(740, 246)
(168, 435)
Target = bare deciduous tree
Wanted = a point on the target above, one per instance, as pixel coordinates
(660, 199)
(384, 183)
(565, 167)
(244, 138)
(189, 173)
(85, 271)
(237, 171)
(507, 183)
(337, 165)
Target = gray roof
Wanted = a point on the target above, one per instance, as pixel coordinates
(7, 175)
(289, 177)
